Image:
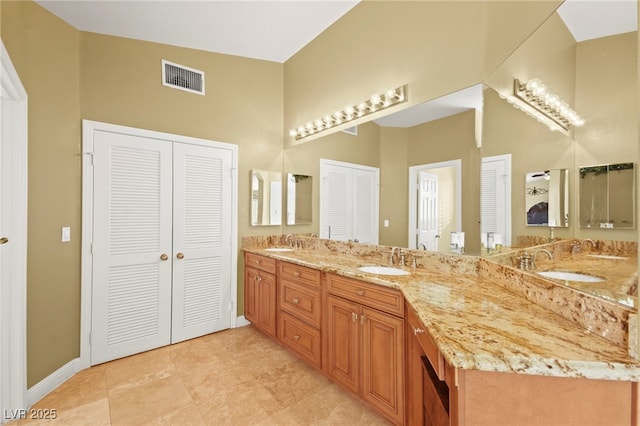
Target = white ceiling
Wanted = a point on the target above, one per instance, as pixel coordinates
(262, 29)
(276, 30)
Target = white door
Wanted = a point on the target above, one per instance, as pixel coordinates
(428, 235)
(201, 241)
(13, 243)
(495, 196)
(349, 201)
(132, 245)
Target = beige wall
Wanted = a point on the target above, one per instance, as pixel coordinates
(71, 75)
(45, 52)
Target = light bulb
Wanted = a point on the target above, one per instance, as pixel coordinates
(375, 99)
(349, 110)
(293, 132)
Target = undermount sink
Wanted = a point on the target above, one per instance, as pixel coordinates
(571, 276)
(607, 256)
(278, 249)
(383, 270)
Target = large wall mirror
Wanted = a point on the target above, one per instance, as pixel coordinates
(598, 77)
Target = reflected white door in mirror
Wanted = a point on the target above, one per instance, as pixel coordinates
(495, 197)
(349, 201)
(435, 204)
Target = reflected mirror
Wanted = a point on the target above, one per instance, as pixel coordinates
(299, 199)
(607, 196)
(266, 197)
(547, 198)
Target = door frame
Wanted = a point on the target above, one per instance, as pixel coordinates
(88, 129)
(414, 172)
(13, 307)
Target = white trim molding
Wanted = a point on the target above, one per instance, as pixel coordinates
(241, 321)
(13, 288)
(52, 381)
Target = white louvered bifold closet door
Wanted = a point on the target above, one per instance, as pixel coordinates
(201, 233)
(495, 206)
(131, 290)
(365, 206)
(336, 203)
(349, 201)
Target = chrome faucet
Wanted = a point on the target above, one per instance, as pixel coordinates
(593, 243)
(576, 247)
(288, 239)
(535, 255)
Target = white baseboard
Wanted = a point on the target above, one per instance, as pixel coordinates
(52, 381)
(242, 321)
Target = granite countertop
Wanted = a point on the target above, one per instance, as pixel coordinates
(479, 325)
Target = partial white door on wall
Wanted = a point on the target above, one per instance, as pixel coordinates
(349, 201)
(428, 233)
(161, 242)
(495, 196)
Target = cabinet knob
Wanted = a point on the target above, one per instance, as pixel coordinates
(296, 300)
(296, 274)
(360, 292)
(354, 317)
(164, 257)
(4, 240)
(180, 255)
(296, 337)
(417, 331)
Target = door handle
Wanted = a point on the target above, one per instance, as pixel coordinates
(164, 257)
(180, 255)
(4, 240)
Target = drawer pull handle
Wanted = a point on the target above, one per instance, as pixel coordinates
(360, 292)
(417, 331)
(362, 319)
(354, 317)
(296, 300)
(296, 337)
(257, 262)
(296, 274)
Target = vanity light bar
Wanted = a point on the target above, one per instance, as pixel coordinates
(541, 102)
(375, 103)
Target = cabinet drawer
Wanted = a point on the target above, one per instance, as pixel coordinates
(301, 274)
(428, 346)
(375, 296)
(300, 301)
(260, 262)
(300, 338)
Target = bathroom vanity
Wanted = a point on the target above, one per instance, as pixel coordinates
(444, 344)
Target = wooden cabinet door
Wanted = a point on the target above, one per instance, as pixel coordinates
(343, 342)
(266, 303)
(383, 362)
(251, 276)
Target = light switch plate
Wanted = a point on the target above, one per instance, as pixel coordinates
(386, 223)
(66, 234)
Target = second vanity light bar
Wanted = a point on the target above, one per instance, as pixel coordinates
(375, 103)
(538, 97)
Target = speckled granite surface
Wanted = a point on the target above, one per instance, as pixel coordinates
(476, 322)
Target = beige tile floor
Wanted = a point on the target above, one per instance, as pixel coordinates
(234, 377)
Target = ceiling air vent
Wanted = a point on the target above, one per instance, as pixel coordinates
(353, 130)
(183, 78)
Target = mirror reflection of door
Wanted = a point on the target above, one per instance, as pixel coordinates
(428, 211)
(435, 204)
(495, 197)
